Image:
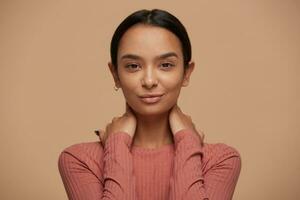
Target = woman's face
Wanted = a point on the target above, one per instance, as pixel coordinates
(150, 61)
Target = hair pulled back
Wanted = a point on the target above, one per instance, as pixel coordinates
(154, 17)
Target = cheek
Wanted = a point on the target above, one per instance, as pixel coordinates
(172, 83)
(172, 87)
(130, 86)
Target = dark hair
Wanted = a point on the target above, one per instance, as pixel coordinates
(155, 17)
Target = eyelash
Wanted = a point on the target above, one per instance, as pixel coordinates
(169, 64)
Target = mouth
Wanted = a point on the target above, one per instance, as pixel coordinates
(150, 99)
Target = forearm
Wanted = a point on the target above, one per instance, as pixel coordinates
(118, 176)
(190, 182)
(187, 179)
(92, 172)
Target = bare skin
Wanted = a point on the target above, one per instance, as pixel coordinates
(127, 123)
(148, 65)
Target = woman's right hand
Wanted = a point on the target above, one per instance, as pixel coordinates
(125, 123)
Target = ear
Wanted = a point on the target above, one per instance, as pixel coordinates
(187, 74)
(114, 74)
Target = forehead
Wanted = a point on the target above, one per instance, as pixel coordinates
(148, 41)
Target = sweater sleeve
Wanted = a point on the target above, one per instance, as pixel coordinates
(188, 181)
(113, 179)
(119, 179)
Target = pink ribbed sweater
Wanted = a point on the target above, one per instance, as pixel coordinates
(184, 170)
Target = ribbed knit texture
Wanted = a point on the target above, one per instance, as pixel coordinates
(184, 170)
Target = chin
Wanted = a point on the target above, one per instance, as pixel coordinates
(151, 111)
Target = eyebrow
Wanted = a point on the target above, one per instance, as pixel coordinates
(162, 56)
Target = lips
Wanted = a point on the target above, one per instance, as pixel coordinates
(151, 98)
(151, 95)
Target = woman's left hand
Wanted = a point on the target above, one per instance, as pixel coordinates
(178, 121)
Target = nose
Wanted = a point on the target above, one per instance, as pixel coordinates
(149, 79)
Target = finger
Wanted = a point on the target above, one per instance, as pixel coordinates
(104, 131)
(202, 140)
(194, 126)
(178, 107)
(99, 132)
(114, 119)
(102, 134)
(202, 135)
(198, 131)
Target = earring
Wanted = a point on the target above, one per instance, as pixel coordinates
(116, 88)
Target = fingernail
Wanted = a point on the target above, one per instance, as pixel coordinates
(97, 132)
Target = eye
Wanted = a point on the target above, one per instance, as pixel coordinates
(132, 66)
(167, 65)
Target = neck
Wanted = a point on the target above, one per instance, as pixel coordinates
(153, 131)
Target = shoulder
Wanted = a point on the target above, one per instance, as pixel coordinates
(216, 153)
(220, 149)
(82, 156)
(85, 150)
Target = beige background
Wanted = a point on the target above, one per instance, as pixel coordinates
(56, 87)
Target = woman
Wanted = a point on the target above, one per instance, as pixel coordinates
(153, 151)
